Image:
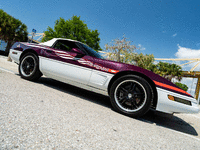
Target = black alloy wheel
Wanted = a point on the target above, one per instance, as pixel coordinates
(29, 67)
(131, 95)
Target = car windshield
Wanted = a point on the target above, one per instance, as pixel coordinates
(90, 51)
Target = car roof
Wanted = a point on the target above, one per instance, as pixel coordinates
(52, 41)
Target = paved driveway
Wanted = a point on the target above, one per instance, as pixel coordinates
(52, 115)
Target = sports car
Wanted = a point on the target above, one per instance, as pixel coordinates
(132, 90)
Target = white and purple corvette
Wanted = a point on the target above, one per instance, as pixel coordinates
(132, 90)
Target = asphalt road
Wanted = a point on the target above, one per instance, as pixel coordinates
(52, 115)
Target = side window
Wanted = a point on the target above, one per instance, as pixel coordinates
(62, 46)
(68, 45)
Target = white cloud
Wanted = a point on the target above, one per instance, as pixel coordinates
(174, 35)
(184, 52)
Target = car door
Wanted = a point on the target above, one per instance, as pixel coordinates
(62, 63)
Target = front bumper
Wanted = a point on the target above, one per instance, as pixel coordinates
(169, 106)
(15, 55)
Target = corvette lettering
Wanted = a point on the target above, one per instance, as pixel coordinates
(100, 67)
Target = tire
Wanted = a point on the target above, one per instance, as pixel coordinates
(29, 67)
(131, 95)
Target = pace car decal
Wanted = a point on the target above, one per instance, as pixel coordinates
(83, 61)
(63, 55)
(97, 66)
(36, 46)
(170, 87)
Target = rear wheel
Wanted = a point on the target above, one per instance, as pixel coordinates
(29, 67)
(131, 95)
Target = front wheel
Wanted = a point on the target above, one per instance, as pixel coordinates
(131, 95)
(29, 67)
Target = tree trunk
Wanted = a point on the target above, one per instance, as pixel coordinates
(7, 50)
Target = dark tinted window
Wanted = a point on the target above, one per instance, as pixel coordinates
(65, 45)
(90, 51)
(68, 45)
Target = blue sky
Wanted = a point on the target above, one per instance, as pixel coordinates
(165, 28)
(158, 25)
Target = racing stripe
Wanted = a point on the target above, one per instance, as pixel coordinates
(170, 87)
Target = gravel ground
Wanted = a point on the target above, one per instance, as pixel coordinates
(52, 115)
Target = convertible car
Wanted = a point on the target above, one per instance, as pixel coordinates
(132, 90)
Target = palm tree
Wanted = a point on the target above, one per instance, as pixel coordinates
(169, 71)
(11, 30)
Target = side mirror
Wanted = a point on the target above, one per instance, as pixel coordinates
(78, 51)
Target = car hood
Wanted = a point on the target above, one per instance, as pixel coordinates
(159, 81)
